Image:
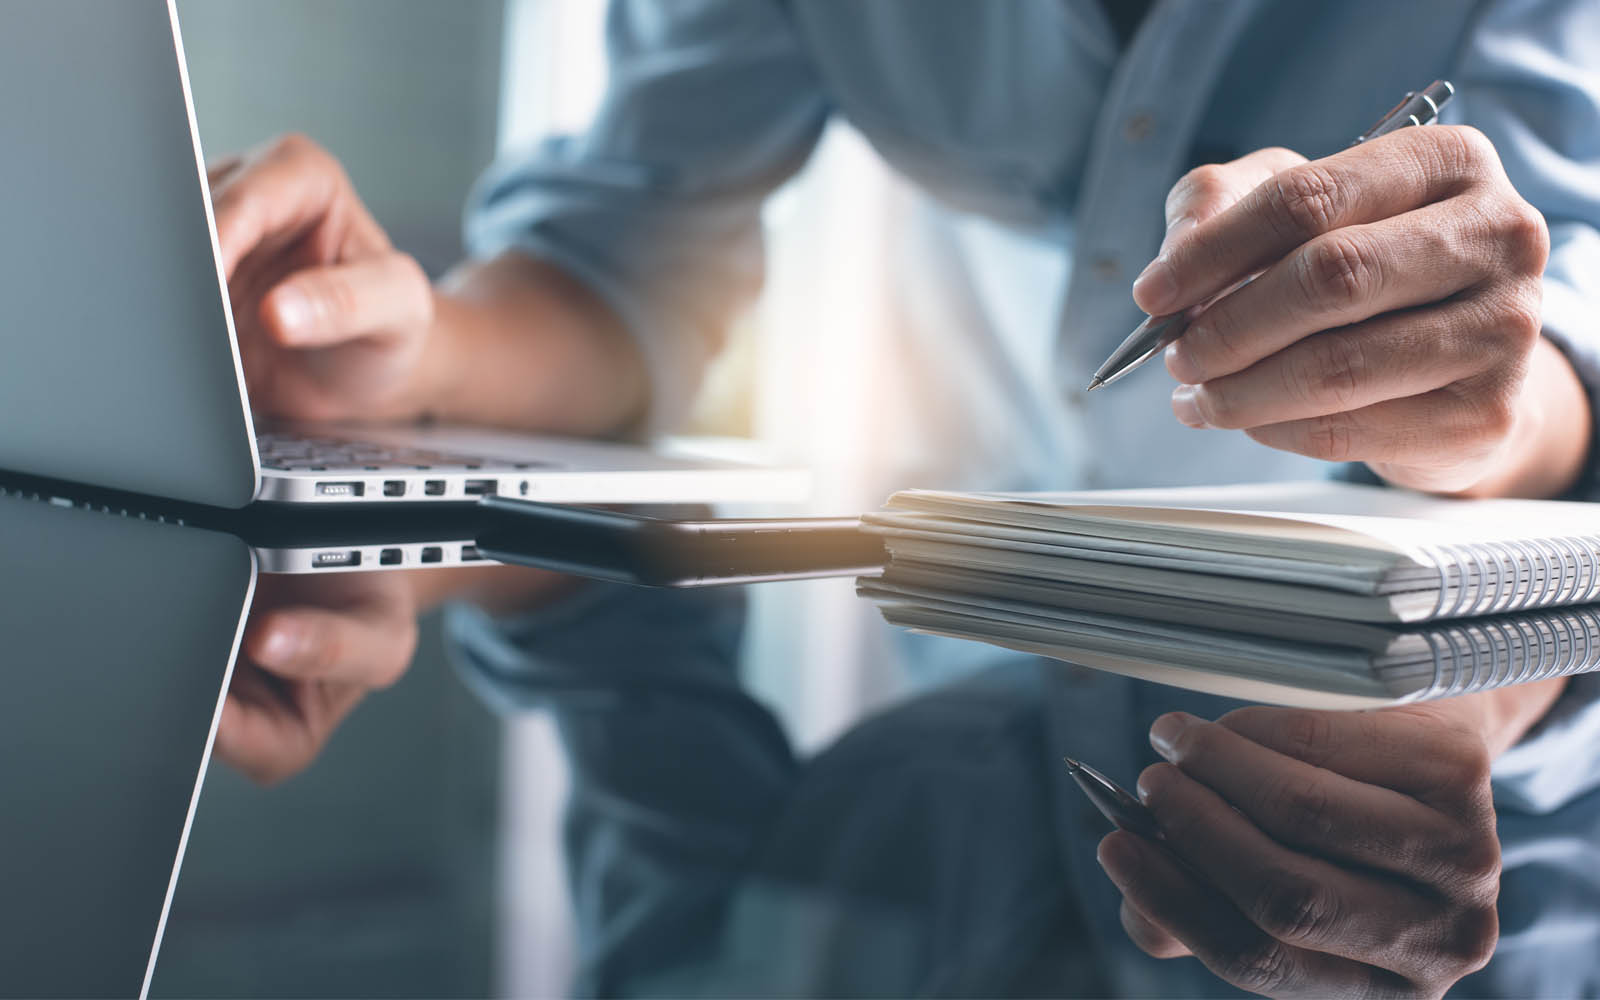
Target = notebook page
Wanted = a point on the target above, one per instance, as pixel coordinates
(1341, 515)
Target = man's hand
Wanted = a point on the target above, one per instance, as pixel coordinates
(1324, 853)
(316, 645)
(1394, 315)
(332, 319)
(336, 324)
(313, 648)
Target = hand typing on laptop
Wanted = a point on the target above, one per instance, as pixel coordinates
(336, 324)
(1394, 318)
(1325, 853)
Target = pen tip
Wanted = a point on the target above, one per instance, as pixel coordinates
(1095, 383)
(1074, 765)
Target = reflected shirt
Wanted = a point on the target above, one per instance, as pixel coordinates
(1025, 120)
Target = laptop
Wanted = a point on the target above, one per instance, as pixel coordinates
(119, 363)
(114, 678)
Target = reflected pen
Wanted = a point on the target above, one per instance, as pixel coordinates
(1115, 803)
(1156, 332)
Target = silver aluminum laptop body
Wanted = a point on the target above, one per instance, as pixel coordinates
(119, 364)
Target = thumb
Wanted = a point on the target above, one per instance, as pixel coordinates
(1211, 188)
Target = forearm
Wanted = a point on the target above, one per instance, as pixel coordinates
(1546, 451)
(517, 343)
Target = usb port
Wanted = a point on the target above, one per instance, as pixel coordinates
(479, 487)
(433, 554)
(394, 488)
(340, 489)
(470, 553)
(434, 487)
(389, 557)
(342, 557)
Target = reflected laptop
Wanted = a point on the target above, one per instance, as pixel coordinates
(119, 364)
(114, 685)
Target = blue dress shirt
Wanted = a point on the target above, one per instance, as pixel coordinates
(1021, 118)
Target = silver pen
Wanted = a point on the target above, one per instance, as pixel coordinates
(1156, 332)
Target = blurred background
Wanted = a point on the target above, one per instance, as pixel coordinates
(418, 857)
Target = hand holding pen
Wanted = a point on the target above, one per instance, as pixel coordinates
(1394, 315)
(1300, 853)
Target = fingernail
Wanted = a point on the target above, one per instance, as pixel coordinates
(1156, 288)
(1186, 409)
(293, 310)
(1165, 732)
(279, 646)
(1178, 364)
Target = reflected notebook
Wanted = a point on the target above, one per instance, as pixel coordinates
(1322, 594)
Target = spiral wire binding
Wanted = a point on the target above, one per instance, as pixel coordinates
(1496, 577)
(1480, 654)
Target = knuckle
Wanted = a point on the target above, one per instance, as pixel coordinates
(1309, 200)
(1293, 908)
(1337, 363)
(1206, 182)
(1526, 236)
(1261, 968)
(1473, 937)
(295, 145)
(1466, 148)
(1336, 272)
(1330, 438)
(1306, 735)
(1301, 808)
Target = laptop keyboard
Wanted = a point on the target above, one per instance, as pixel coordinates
(296, 453)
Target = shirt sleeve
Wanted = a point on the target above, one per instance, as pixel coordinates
(656, 207)
(1526, 78)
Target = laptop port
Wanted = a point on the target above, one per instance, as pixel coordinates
(479, 487)
(433, 554)
(340, 489)
(434, 487)
(394, 487)
(389, 557)
(342, 557)
(470, 553)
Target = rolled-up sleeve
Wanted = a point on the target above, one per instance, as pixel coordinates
(656, 207)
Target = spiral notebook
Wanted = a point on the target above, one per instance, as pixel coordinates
(1321, 594)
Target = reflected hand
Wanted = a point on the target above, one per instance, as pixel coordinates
(314, 646)
(1324, 853)
(1393, 317)
(332, 320)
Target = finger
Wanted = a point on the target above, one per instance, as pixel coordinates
(324, 306)
(1391, 356)
(284, 191)
(1336, 279)
(1419, 750)
(269, 740)
(1307, 807)
(1209, 189)
(219, 170)
(1220, 937)
(1441, 439)
(1294, 898)
(311, 643)
(1148, 936)
(1366, 183)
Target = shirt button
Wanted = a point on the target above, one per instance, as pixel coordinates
(1139, 127)
(1106, 267)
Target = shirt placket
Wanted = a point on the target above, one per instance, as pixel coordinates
(1146, 125)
